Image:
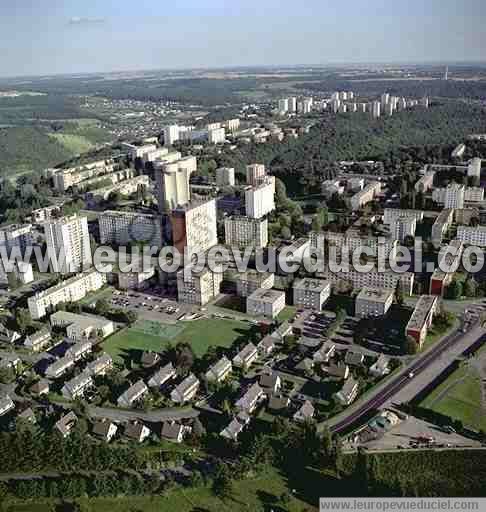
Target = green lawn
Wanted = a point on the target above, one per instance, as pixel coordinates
(201, 334)
(250, 494)
(287, 313)
(435, 334)
(459, 397)
(77, 144)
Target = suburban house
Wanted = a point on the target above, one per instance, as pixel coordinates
(270, 382)
(82, 327)
(250, 399)
(266, 346)
(6, 405)
(233, 430)
(66, 423)
(219, 371)
(353, 358)
(381, 366)
(105, 430)
(38, 341)
(339, 371)
(325, 353)
(80, 349)
(173, 431)
(59, 367)
(186, 390)
(246, 356)
(305, 413)
(40, 388)
(132, 394)
(7, 335)
(10, 361)
(100, 366)
(27, 415)
(278, 402)
(77, 386)
(160, 377)
(348, 392)
(137, 432)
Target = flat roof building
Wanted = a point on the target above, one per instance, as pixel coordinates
(373, 302)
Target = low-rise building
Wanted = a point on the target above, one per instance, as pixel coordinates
(82, 327)
(38, 341)
(422, 318)
(174, 432)
(132, 394)
(186, 390)
(305, 413)
(104, 429)
(380, 367)
(266, 346)
(366, 195)
(76, 387)
(137, 432)
(265, 302)
(311, 293)
(6, 405)
(79, 350)
(59, 367)
(100, 366)
(219, 371)
(270, 382)
(373, 302)
(66, 424)
(250, 399)
(247, 355)
(39, 388)
(233, 430)
(162, 376)
(325, 352)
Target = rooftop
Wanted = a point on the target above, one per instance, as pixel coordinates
(421, 311)
(374, 294)
(267, 295)
(307, 283)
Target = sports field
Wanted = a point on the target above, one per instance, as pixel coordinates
(459, 397)
(201, 334)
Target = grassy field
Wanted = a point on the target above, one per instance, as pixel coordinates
(201, 334)
(262, 493)
(435, 334)
(287, 313)
(76, 144)
(459, 397)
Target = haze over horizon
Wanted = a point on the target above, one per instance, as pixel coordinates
(58, 37)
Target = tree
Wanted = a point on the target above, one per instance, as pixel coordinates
(102, 307)
(222, 483)
(454, 290)
(470, 286)
(285, 233)
(410, 346)
(399, 293)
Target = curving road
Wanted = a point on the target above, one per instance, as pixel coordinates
(394, 386)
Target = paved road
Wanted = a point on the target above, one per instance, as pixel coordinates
(154, 416)
(424, 371)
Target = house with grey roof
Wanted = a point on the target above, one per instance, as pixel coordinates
(132, 394)
(136, 432)
(251, 398)
(60, 366)
(219, 371)
(100, 366)
(305, 413)
(76, 387)
(6, 405)
(173, 431)
(348, 392)
(66, 424)
(233, 430)
(38, 341)
(161, 376)
(104, 429)
(186, 390)
(380, 367)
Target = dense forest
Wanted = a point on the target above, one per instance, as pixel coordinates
(420, 135)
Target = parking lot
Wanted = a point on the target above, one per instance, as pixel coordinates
(151, 306)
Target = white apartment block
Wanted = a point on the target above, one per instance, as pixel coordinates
(125, 188)
(425, 183)
(474, 168)
(194, 227)
(283, 105)
(225, 177)
(16, 235)
(260, 200)
(265, 302)
(123, 228)
(441, 226)
(366, 195)
(255, 174)
(172, 186)
(216, 136)
(373, 302)
(472, 235)
(376, 109)
(197, 287)
(71, 290)
(403, 227)
(38, 341)
(251, 280)
(68, 244)
(232, 125)
(454, 196)
(391, 214)
(138, 151)
(171, 134)
(242, 231)
(311, 293)
(135, 280)
(373, 279)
